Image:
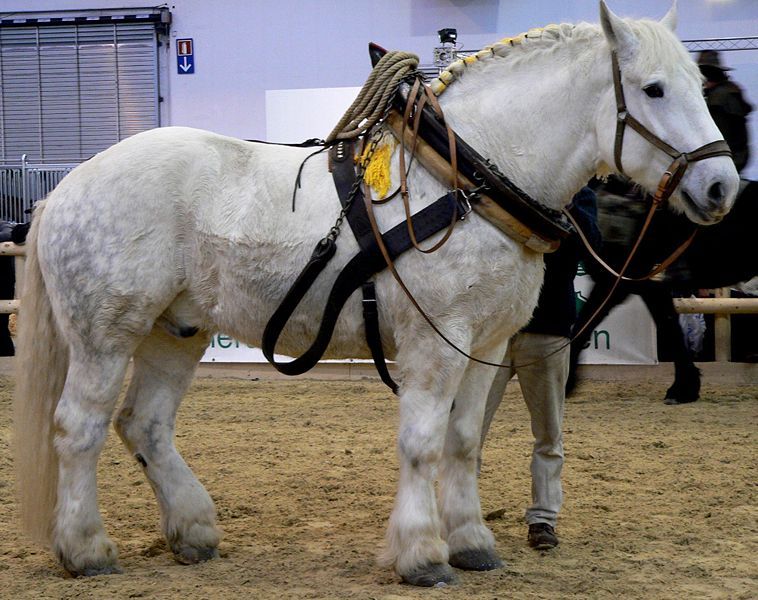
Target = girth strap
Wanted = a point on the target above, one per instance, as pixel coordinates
(373, 336)
(363, 265)
(343, 172)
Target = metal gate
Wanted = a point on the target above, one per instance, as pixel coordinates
(21, 185)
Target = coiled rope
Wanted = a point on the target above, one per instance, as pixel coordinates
(370, 104)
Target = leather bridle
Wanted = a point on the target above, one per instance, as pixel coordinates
(673, 175)
(666, 186)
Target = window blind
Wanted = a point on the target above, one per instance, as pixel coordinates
(70, 90)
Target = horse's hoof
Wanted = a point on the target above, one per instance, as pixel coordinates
(674, 398)
(96, 570)
(190, 556)
(476, 559)
(677, 402)
(431, 575)
(686, 386)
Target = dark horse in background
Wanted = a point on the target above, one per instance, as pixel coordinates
(720, 255)
(7, 284)
(16, 233)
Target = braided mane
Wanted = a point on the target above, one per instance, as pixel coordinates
(657, 39)
(538, 37)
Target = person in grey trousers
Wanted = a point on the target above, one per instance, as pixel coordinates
(539, 355)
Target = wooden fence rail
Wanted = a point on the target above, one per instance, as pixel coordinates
(8, 306)
(11, 249)
(716, 306)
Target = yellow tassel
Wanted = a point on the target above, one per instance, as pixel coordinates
(377, 173)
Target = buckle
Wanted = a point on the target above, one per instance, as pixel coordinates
(370, 307)
(463, 202)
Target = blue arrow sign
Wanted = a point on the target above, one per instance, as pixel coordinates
(185, 56)
(185, 65)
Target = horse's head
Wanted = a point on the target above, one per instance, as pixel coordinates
(661, 91)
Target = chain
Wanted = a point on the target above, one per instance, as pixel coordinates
(376, 135)
(494, 168)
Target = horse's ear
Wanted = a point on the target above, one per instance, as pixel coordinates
(670, 19)
(375, 51)
(618, 33)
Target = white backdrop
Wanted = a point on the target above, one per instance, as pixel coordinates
(625, 337)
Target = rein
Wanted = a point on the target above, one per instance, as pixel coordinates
(655, 271)
(445, 170)
(666, 186)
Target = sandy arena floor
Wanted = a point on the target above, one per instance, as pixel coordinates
(660, 502)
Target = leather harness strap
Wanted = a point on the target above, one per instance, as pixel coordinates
(359, 269)
(343, 173)
(480, 202)
(373, 335)
(548, 223)
(404, 194)
(454, 174)
(363, 265)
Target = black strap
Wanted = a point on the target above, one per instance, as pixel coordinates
(363, 265)
(309, 143)
(373, 336)
(344, 175)
(322, 254)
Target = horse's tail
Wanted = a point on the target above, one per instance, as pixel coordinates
(41, 365)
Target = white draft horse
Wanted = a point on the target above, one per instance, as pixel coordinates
(149, 247)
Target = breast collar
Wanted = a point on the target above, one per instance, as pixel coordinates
(549, 225)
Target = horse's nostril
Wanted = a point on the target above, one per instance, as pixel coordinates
(716, 191)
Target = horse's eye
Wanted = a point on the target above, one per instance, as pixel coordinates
(653, 90)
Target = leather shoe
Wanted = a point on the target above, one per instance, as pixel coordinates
(542, 536)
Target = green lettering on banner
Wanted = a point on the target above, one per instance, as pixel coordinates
(226, 341)
(595, 343)
(580, 302)
(596, 335)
